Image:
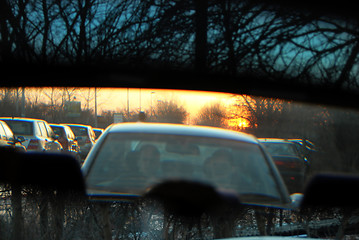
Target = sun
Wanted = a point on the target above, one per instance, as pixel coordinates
(238, 123)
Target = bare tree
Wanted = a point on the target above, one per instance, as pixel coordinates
(214, 115)
(169, 112)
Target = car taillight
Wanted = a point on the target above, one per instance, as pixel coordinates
(287, 164)
(33, 144)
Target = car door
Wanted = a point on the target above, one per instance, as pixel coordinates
(47, 141)
(53, 143)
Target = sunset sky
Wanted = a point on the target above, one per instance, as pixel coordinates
(138, 99)
(116, 99)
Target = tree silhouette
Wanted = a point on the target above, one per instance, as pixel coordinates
(169, 112)
(213, 115)
(228, 36)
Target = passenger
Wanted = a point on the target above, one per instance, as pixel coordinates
(219, 168)
(149, 161)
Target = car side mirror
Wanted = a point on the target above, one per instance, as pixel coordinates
(296, 200)
(20, 139)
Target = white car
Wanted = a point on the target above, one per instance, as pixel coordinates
(131, 158)
(85, 137)
(37, 134)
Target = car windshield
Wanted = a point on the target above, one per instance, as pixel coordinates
(20, 127)
(131, 163)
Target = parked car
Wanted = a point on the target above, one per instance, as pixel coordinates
(7, 138)
(85, 137)
(98, 132)
(67, 139)
(130, 158)
(37, 134)
(291, 163)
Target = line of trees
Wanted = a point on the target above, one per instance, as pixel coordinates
(227, 36)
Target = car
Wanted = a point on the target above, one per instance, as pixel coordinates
(8, 140)
(292, 164)
(131, 157)
(85, 137)
(37, 134)
(310, 151)
(98, 132)
(67, 140)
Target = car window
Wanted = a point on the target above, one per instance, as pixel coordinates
(42, 128)
(71, 134)
(8, 131)
(20, 127)
(2, 132)
(281, 149)
(93, 135)
(132, 162)
(79, 131)
(68, 133)
(48, 130)
(58, 130)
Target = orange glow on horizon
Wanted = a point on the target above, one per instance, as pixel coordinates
(238, 123)
(145, 99)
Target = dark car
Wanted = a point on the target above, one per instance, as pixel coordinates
(308, 150)
(85, 137)
(7, 138)
(291, 163)
(67, 139)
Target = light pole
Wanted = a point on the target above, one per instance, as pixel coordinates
(128, 102)
(140, 100)
(151, 103)
(95, 107)
(23, 102)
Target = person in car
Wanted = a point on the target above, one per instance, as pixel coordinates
(148, 162)
(219, 169)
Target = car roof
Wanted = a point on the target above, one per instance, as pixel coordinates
(180, 129)
(274, 140)
(58, 125)
(21, 119)
(76, 125)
